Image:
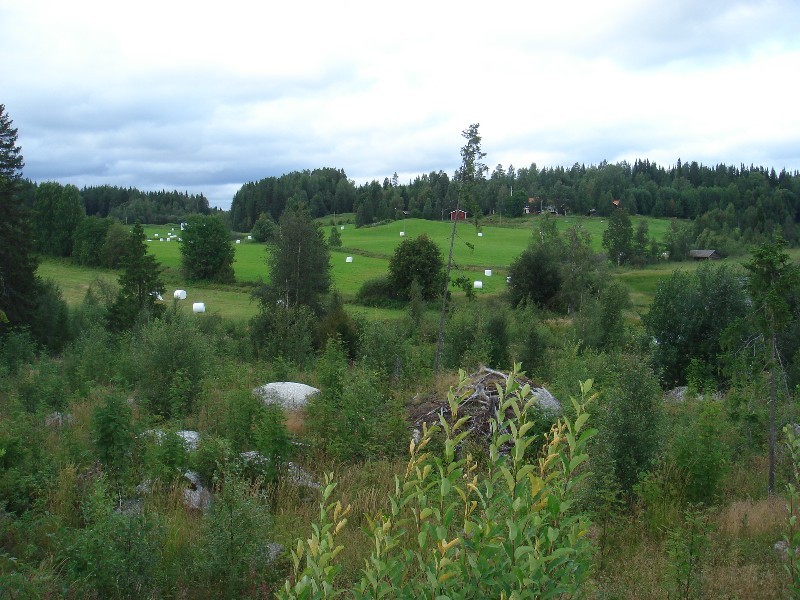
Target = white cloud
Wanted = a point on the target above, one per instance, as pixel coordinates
(204, 97)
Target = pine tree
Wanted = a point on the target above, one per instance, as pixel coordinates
(140, 284)
(17, 263)
(11, 161)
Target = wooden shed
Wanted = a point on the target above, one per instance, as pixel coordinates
(458, 215)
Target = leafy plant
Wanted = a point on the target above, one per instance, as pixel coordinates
(512, 530)
(792, 533)
(686, 547)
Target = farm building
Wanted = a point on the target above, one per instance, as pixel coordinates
(704, 255)
(458, 215)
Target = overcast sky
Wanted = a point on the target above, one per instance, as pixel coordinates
(204, 97)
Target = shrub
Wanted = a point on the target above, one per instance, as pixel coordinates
(16, 348)
(698, 448)
(284, 332)
(92, 358)
(535, 276)
(264, 229)
(116, 554)
(417, 259)
(353, 417)
(234, 557)
(630, 420)
(167, 360)
(50, 326)
(456, 531)
(112, 432)
(377, 292)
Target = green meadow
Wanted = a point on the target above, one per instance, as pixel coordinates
(370, 249)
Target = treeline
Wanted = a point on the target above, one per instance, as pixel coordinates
(126, 204)
(130, 205)
(740, 203)
(324, 191)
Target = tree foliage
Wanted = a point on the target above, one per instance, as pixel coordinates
(89, 240)
(509, 529)
(140, 284)
(416, 259)
(264, 229)
(206, 250)
(17, 262)
(57, 213)
(688, 315)
(299, 264)
(618, 237)
(535, 276)
(11, 161)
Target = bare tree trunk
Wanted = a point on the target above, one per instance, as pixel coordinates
(772, 440)
(440, 341)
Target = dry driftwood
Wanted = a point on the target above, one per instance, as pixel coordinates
(481, 403)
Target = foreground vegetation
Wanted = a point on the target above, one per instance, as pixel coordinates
(140, 455)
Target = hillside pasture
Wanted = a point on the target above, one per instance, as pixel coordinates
(371, 249)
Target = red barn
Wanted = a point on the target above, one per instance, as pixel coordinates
(458, 215)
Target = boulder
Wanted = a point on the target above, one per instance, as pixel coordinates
(288, 394)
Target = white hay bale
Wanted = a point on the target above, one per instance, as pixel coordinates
(349, 259)
(342, 227)
(179, 294)
(402, 234)
(508, 279)
(487, 272)
(478, 285)
(199, 307)
(238, 241)
(249, 237)
(288, 394)
(480, 234)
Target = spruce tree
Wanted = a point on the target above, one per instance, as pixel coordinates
(11, 161)
(17, 263)
(140, 284)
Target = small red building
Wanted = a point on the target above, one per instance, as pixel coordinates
(458, 215)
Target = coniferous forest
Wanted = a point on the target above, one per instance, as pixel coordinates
(618, 422)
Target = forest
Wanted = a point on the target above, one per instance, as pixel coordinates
(730, 206)
(549, 439)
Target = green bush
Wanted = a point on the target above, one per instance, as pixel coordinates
(377, 292)
(167, 360)
(112, 432)
(116, 554)
(354, 417)
(454, 530)
(284, 332)
(16, 348)
(92, 358)
(699, 449)
(630, 419)
(212, 458)
(234, 559)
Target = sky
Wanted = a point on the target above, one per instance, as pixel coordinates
(204, 97)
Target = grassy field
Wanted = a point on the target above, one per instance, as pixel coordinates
(370, 249)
